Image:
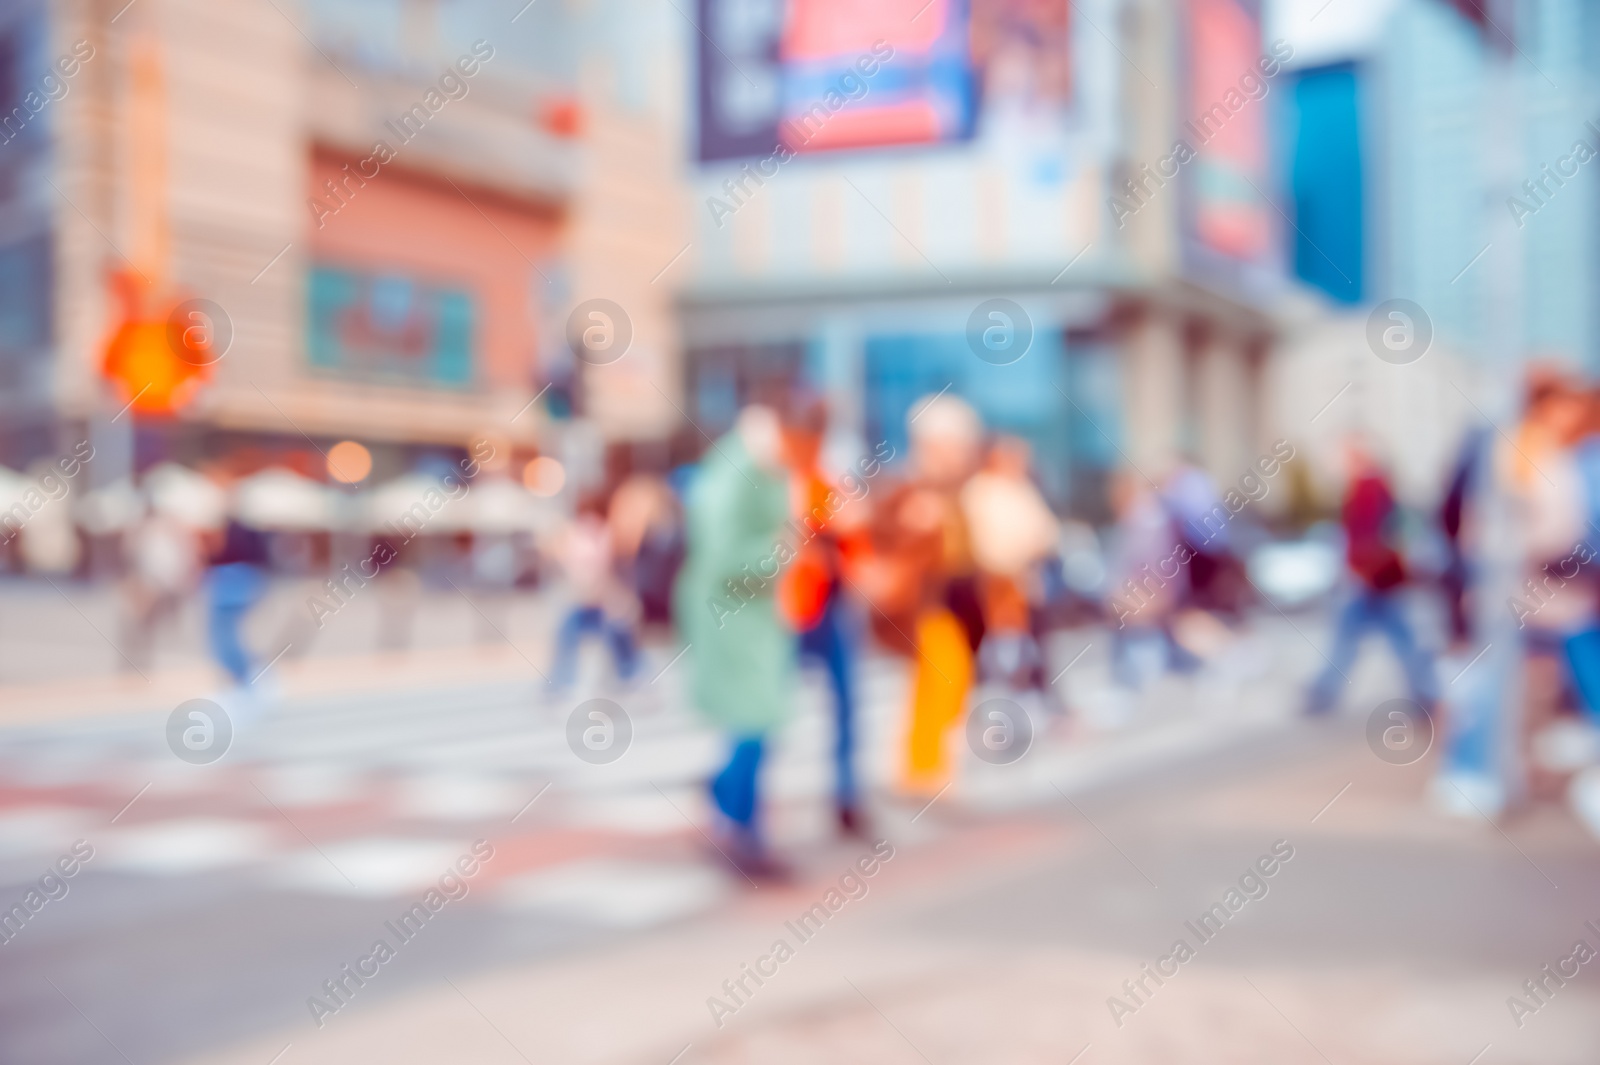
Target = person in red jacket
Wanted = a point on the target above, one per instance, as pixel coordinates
(811, 591)
(1378, 573)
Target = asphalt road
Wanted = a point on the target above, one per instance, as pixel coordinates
(221, 898)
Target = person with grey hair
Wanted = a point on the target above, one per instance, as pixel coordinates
(920, 579)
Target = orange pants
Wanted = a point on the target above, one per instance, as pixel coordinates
(938, 695)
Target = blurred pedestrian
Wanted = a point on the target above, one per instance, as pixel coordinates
(1456, 578)
(1013, 533)
(1583, 646)
(601, 602)
(647, 524)
(236, 582)
(922, 582)
(740, 654)
(812, 591)
(162, 556)
(1146, 584)
(1215, 579)
(1544, 479)
(1378, 573)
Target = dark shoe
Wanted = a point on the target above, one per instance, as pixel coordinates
(749, 855)
(759, 866)
(852, 822)
(765, 869)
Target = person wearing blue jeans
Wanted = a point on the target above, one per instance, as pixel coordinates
(828, 642)
(734, 789)
(236, 582)
(1380, 611)
(1368, 516)
(581, 621)
(234, 589)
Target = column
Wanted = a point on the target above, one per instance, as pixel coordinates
(1223, 398)
(838, 361)
(1152, 356)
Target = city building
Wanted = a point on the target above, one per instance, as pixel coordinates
(867, 185)
(389, 209)
(1436, 152)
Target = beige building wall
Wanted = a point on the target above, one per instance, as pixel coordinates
(1153, 92)
(629, 240)
(220, 127)
(1153, 390)
(241, 100)
(1226, 396)
(237, 158)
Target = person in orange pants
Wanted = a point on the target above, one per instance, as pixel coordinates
(938, 693)
(920, 580)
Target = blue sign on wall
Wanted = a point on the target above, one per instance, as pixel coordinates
(1326, 179)
(388, 328)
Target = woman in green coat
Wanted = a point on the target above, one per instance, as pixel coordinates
(741, 655)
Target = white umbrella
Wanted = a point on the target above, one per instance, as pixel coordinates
(413, 502)
(12, 485)
(500, 505)
(49, 542)
(278, 498)
(190, 497)
(110, 508)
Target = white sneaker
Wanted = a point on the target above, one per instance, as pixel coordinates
(1583, 795)
(1467, 795)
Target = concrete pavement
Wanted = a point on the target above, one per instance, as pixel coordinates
(1391, 938)
(222, 898)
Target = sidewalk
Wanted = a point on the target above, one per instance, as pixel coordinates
(61, 651)
(72, 630)
(46, 702)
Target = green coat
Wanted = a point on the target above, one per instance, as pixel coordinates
(741, 655)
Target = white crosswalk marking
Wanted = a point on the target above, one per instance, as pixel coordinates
(373, 796)
(187, 845)
(375, 867)
(616, 894)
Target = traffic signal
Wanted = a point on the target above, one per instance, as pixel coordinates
(158, 364)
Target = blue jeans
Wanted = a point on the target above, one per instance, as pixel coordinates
(580, 621)
(734, 789)
(233, 589)
(829, 643)
(1176, 657)
(1383, 612)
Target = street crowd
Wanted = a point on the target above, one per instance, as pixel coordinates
(761, 559)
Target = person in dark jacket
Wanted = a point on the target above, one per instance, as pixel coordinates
(1378, 573)
(1455, 581)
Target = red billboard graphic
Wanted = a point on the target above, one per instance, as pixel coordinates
(1231, 213)
(860, 73)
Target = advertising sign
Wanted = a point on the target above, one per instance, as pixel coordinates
(389, 328)
(1231, 215)
(816, 75)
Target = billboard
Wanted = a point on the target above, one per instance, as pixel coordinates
(919, 91)
(740, 79)
(388, 328)
(1229, 212)
(815, 75)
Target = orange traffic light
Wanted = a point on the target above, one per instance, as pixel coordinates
(158, 364)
